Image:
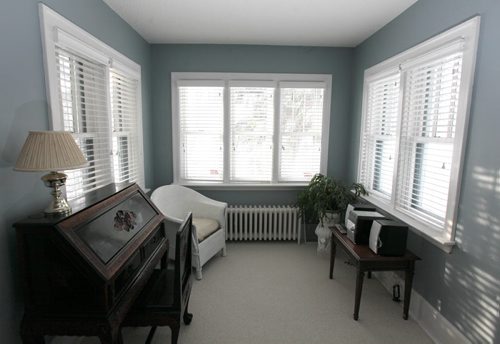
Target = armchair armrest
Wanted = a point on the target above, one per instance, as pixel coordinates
(210, 209)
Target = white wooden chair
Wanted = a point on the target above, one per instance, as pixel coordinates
(209, 221)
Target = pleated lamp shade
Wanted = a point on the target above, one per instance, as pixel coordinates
(50, 151)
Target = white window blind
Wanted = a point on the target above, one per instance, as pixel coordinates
(249, 129)
(301, 124)
(83, 101)
(378, 146)
(251, 153)
(201, 112)
(94, 92)
(432, 92)
(127, 162)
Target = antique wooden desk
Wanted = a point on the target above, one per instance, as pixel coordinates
(366, 261)
(82, 272)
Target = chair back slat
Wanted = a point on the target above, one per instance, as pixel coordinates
(183, 269)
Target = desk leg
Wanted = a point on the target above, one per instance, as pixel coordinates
(408, 285)
(359, 286)
(332, 255)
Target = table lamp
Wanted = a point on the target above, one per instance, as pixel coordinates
(51, 151)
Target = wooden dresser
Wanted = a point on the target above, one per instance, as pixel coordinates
(82, 272)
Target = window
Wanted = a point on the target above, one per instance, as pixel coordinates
(94, 92)
(249, 129)
(415, 114)
(251, 133)
(301, 131)
(201, 132)
(379, 136)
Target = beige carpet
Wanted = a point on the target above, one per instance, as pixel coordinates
(280, 293)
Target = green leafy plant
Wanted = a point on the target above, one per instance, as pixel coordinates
(324, 194)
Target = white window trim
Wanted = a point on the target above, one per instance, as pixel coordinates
(467, 31)
(57, 29)
(231, 79)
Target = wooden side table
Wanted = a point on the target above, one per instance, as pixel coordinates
(367, 261)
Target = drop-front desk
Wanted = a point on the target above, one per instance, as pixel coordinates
(82, 272)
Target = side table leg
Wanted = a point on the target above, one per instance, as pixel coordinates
(359, 287)
(408, 285)
(332, 255)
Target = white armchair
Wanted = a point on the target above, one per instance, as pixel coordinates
(209, 221)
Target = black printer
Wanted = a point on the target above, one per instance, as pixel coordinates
(356, 206)
(359, 225)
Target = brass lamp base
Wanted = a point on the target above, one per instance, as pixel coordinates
(58, 206)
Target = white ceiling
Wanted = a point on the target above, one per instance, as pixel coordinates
(338, 23)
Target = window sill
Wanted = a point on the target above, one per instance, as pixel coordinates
(248, 187)
(434, 237)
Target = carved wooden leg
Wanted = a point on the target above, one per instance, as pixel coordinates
(332, 256)
(408, 285)
(27, 334)
(359, 288)
(198, 273)
(111, 337)
(119, 338)
(175, 332)
(369, 274)
(32, 339)
(105, 339)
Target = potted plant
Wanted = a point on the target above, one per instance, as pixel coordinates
(324, 195)
(325, 200)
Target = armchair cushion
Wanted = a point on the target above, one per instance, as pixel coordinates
(204, 227)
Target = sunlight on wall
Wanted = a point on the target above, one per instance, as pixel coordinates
(484, 218)
(476, 283)
(477, 302)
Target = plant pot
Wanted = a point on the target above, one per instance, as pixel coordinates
(331, 218)
(324, 235)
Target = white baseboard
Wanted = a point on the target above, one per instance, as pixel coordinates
(437, 327)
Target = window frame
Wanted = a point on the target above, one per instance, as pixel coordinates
(57, 30)
(251, 79)
(467, 31)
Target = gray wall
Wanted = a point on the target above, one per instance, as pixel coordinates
(249, 59)
(464, 286)
(23, 107)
